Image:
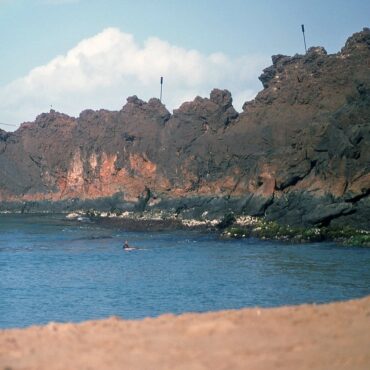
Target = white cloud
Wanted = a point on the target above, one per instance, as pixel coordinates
(102, 71)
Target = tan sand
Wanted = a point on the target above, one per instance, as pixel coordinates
(328, 337)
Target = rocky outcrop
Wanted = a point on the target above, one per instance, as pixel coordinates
(298, 153)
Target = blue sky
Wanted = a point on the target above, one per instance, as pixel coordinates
(224, 35)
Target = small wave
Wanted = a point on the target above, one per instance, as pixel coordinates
(83, 219)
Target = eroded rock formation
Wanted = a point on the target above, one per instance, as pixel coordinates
(299, 152)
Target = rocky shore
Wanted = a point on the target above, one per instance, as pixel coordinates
(331, 336)
(228, 226)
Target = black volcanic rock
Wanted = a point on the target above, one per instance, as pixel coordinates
(298, 153)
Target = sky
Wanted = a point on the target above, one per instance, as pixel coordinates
(73, 55)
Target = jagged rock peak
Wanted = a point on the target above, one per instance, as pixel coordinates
(154, 107)
(191, 106)
(87, 113)
(153, 103)
(279, 61)
(217, 110)
(218, 99)
(267, 75)
(135, 100)
(357, 41)
(278, 58)
(222, 98)
(47, 118)
(318, 50)
(90, 114)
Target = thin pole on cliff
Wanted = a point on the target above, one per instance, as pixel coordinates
(304, 38)
(161, 89)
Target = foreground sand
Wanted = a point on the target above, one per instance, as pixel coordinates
(332, 336)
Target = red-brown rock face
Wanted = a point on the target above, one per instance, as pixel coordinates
(307, 133)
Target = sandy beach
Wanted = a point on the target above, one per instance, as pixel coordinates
(330, 336)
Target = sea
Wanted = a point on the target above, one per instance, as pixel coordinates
(60, 270)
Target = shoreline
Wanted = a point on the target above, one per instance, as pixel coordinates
(229, 226)
(309, 336)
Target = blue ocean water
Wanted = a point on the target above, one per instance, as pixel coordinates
(53, 269)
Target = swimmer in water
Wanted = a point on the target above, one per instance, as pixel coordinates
(126, 247)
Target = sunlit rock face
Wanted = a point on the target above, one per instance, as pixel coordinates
(299, 152)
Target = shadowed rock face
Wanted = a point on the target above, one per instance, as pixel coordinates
(299, 152)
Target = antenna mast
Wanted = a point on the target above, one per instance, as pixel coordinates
(161, 89)
(304, 38)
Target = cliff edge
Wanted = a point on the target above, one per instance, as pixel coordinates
(298, 153)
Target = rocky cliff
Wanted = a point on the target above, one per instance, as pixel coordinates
(298, 153)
